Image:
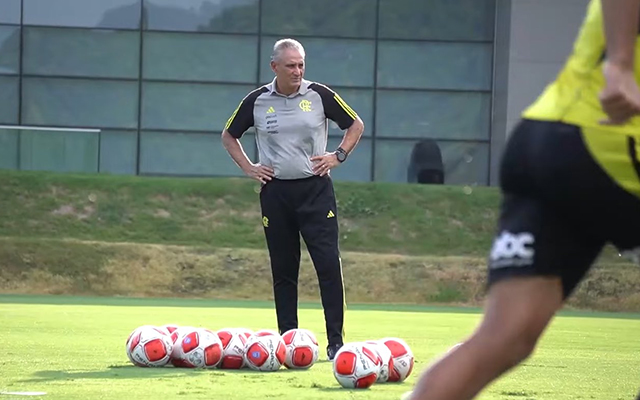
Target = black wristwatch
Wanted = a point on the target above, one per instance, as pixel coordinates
(341, 154)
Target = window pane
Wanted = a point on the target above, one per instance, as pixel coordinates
(9, 99)
(189, 154)
(58, 151)
(9, 49)
(200, 57)
(230, 16)
(9, 11)
(437, 19)
(79, 102)
(462, 66)
(342, 62)
(361, 101)
(358, 165)
(118, 152)
(438, 115)
(190, 106)
(83, 13)
(8, 149)
(346, 18)
(81, 52)
(464, 163)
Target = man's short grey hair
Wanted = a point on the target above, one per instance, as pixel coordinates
(283, 44)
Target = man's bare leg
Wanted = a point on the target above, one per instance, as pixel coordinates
(516, 313)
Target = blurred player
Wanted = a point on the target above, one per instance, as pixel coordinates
(570, 178)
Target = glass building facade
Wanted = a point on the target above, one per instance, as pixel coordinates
(146, 86)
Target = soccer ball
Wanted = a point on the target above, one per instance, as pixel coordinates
(402, 359)
(169, 328)
(266, 332)
(233, 343)
(179, 332)
(356, 365)
(385, 357)
(302, 348)
(197, 348)
(265, 353)
(149, 346)
(246, 332)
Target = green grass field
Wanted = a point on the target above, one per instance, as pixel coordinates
(73, 348)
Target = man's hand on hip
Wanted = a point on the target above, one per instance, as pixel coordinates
(259, 172)
(323, 164)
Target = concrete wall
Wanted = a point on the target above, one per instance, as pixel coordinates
(533, 39)
(542, 35)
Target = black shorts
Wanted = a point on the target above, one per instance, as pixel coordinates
(559, 207)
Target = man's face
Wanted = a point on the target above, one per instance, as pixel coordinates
(289, 68)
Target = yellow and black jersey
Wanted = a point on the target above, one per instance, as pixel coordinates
(573, 98)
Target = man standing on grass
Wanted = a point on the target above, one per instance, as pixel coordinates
(570, 178)
(291, 116)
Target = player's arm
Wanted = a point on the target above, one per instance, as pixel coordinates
(352, 135)
(621, 18)
(237, 125)
(621, 97)
(337, 110)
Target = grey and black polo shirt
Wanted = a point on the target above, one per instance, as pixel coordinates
(290, 129)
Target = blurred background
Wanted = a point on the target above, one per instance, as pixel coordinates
(144, 87)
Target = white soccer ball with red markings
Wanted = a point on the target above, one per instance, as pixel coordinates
(233, 344)
(179, 332)
(246, 332)
(402, 359)
(169, 328)
(197, 348)
(302, 348)
(265, 353)
(385, 356)
(265, 332)
(356, 365)
(149, 346)
(176, 336)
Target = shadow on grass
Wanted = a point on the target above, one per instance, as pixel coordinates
(132, 372)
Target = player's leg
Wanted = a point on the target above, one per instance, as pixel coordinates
(536, 261)
(516, 314)
(318, 219)
(283, 241)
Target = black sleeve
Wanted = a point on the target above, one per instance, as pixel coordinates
(335, 108)
(242, 117)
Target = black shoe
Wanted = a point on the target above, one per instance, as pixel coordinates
(332, 349)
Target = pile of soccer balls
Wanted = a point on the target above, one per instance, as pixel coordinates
(229, 348)
(356, 365)
(359, 365)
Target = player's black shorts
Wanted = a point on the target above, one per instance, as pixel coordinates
(559, 206)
